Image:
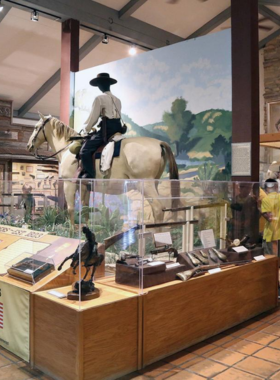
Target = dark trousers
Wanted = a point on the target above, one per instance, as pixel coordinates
(112, 126)
(87, 151)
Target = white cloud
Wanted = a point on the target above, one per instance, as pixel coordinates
(201, 64)
(216, 94)
(152, 65)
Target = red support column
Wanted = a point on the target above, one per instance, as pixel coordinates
(245, 80)
(69, 65)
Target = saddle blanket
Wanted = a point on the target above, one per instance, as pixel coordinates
(112, 149)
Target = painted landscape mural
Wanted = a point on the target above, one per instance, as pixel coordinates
(180, 94)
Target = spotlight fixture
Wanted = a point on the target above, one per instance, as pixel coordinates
(1, 6)
(105, 39)
(132, 50)
(34, 16)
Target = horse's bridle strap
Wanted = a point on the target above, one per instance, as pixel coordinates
(42, 128)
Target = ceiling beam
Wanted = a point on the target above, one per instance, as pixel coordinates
(263, 42)
(4, 12)
(105, 20)
(212, 24)
(269, 2)
(266, 12)
(55, 78)
(130, 8)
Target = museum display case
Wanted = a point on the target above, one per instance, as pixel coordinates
(145, 231)
(134, 255)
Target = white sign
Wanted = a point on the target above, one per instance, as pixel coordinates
(208, 239)
(241, 159)
(215, 270)
(240, 249)
(154, 263)
(162, 238)
(173, 265)
(259, 258)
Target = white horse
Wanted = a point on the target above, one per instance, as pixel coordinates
(140, 158)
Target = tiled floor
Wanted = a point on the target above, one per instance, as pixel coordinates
(250, 351)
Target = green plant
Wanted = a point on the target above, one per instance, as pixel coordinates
(207, 172)
(105, 224)
(49, 219)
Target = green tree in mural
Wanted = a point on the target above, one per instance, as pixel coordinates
(179, 122)
(222, 146)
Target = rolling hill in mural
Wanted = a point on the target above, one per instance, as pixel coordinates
(180, 94)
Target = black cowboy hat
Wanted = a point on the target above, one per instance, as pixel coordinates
(102, 78)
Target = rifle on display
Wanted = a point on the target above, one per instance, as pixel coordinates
(186, 275)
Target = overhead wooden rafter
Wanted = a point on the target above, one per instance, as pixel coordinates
(130, 8)
(4, 12)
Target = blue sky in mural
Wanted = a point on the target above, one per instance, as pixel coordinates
(199, 70)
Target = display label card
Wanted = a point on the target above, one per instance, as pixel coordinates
(259, 258)
(162, 238)
(56, 294)
(240, 249)
(29, 271)
(208, 239)
(215, 270)
(154, 263)
(173, 265)
(241, 159)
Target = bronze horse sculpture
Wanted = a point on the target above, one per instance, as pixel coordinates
(88, 254)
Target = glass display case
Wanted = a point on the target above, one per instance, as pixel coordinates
(113, 250)
(130, 234)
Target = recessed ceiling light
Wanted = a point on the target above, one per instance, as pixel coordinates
(132, 50)
(1, 6)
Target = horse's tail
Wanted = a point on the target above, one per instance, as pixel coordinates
(173, 173)
(173, 168)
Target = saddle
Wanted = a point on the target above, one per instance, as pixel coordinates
(97, 154)
(79, 141)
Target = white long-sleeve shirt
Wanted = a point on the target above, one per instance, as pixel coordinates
(103, 105)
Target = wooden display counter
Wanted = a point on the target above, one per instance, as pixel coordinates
(179, 314)
(98, 339)
(122, 331)
(16, 294)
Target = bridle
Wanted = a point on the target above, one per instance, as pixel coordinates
(42, 128)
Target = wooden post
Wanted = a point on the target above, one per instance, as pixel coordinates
(69, 65)
(245, 80)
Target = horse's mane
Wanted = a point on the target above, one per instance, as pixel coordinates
(62, 130)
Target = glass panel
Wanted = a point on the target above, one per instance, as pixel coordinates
(135, 233)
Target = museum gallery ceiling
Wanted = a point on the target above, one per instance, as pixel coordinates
(30, 51)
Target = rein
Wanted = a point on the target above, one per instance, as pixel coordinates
(39, 156)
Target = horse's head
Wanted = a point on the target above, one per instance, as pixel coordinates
(38, 136)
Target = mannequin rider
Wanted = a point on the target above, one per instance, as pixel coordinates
(108, 106)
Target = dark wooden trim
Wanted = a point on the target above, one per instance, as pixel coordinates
(245, 80)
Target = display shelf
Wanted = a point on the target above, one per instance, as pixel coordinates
(96, 341)
(107, 295)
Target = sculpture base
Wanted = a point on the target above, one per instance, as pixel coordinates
(84, 297)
